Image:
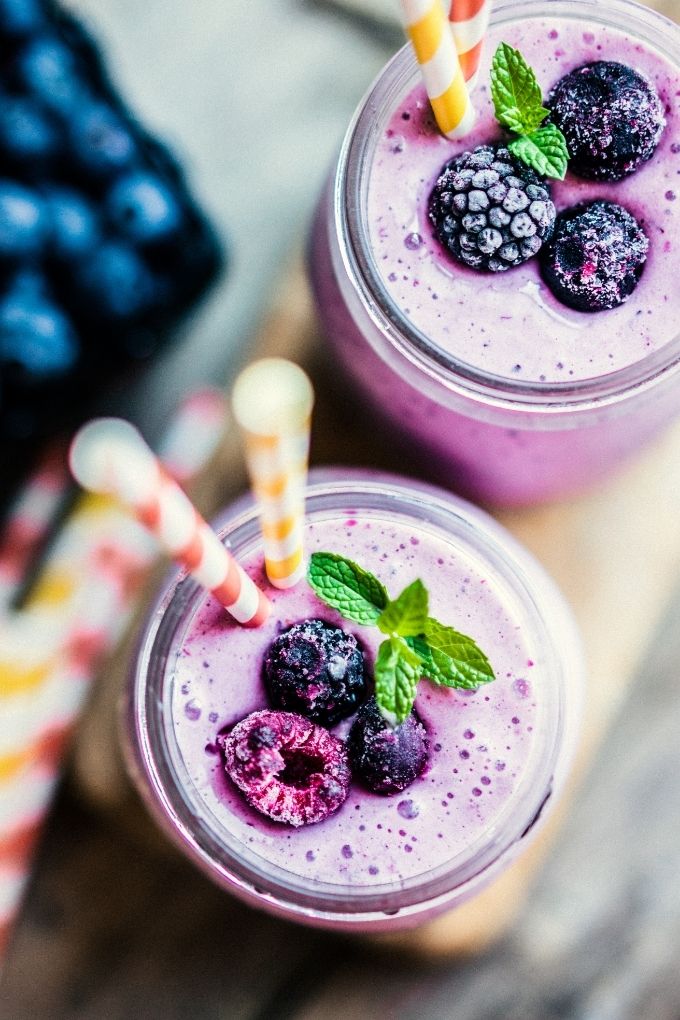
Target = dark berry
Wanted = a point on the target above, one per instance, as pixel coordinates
(315, 669)
(21, 17)
(611, 117)
(114, 281)
(47, 69)
(287, 767)
(143, 207)
(27, 134)
(596, 256)
(36, 338)
(101, 140)
(385, 758)
(73, 223)
(23, 223)
(491, 211)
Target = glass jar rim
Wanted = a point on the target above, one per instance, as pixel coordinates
(404, 340)
(166, 775)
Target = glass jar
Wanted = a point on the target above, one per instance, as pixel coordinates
(229, 849)
(498, 437)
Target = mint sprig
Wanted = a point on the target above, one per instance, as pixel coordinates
(416, 644)
(518, 103)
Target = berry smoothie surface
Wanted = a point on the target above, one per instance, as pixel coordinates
(482, 743)
(509, 324)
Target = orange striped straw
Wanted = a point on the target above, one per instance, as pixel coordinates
(428, 29)
(109, 456)
(272, 403)
(469, 22)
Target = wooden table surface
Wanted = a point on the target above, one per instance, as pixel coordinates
(114, 927)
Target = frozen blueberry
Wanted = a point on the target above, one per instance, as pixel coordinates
(143, 207)
(386, 759)
(23, 223)
(48, 70)
(35, 336)
(101, 140)
(316, 669)
(484, 202)
(596, 256)
(611, 117)
(287, 767)
(114, 281)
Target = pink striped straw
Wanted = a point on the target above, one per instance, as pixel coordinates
(108, 455)
(469, 23)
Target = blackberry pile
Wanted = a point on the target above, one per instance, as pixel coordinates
(102, 246)
(490, 210)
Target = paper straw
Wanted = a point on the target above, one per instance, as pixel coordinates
(194, 433)
(428, 29)
(83, 602)
(469, 23)
(108, 455)
(272, 403)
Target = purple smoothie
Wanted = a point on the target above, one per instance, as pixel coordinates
(481, 743)
(507, 394)
(498, 755)
(509, 324)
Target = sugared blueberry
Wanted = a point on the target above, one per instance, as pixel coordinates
(73, 223)
(611, 117)
(101, 140)
(386, 758)
(316, 669)
(35, 336)
(23, 223)
(490, 210)
(114, 281)
(287, 767)
(596, 256)
(143, 207)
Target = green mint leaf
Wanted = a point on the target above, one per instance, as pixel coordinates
(407, 614)
(397, 672)
(544, 150)
(515, 92)
(453, 659)
(347, 587)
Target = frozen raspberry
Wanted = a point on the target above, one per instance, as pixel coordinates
(287, 767)
(490, 210)
(315, 669)
(596, 256)
(386, 759)
(611, 117)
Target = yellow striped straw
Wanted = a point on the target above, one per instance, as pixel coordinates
(272, 403)
(429, 30)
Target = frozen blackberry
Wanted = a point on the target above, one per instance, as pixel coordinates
(596, 256)
(490, 210)
(287, 767)
(611, 117)
(316, 669)
(386, 759)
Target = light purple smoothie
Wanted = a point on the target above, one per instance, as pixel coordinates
(498, 755)
(505, 393)
(481, 743)
(509, 323)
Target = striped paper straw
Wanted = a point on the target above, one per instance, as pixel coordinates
(73, 616)
(272, 403)
(108, 455)
(428, 29)
(469, 22)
